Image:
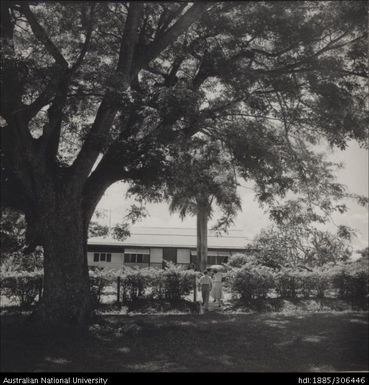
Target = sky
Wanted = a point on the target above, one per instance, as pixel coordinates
(252, 218)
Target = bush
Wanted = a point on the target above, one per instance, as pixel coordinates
(251, 281)
(134, 282)
(313, 283)
(21, 287)
(287, 282)
(351, 281)
(100, 279)
(170, 284)
(239, 260)
(173, 283)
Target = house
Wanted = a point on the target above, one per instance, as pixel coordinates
(148, 246)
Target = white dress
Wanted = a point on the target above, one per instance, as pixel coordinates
(217, 290)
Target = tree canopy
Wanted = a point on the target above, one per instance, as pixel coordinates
(97, 92)
(236, 73)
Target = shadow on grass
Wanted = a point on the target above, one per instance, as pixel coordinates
(265, 305)
(212, 342)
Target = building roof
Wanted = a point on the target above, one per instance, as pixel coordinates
(174, 237)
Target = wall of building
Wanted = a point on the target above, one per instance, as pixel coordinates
(184, 256)
(156, 255)
(116, 260)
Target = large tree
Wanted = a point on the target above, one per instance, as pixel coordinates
(299, 238)
(94, 93)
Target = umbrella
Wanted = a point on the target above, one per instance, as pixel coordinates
(217, 267)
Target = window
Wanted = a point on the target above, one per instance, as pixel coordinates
(217, 260)
(170, 254)
(222, 259)
(212, 260)
(102, 257)
(136, 258)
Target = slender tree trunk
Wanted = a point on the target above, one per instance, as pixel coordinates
(66, 300)
(198, 242)
(202, 234)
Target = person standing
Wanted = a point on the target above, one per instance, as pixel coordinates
(217, 290)
(205, 285)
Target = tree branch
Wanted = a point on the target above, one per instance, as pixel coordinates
(87, 42)
(42, 35)
(17, 152)
(60, 79)
(11, 84)
(129, 41)
(154, 49)
(108, 108)
(51, 134)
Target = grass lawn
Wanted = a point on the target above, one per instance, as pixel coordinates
(214, 342)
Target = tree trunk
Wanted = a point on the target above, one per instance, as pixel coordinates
(202, 235)
(66, 300)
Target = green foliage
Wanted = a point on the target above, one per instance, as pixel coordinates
(238, 260)
(100, 279)
(246, 278)
(95, 229)
(265, 80)
(345, 280)
(296, 238)
(136, 213)
(297, 282)
(121, 231)
(199, 173)
(21, 287)
(17, 261)
(13, 240)
(251, 281)
(134, 283)
(314, 283)
(286, 283)
(12, 231)
(364, 254)
(351, 281)
(173, 283)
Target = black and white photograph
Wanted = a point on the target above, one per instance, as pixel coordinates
(184, 189)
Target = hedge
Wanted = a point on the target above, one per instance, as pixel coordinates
(248, 281)
(344, 281)
(171, 284)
